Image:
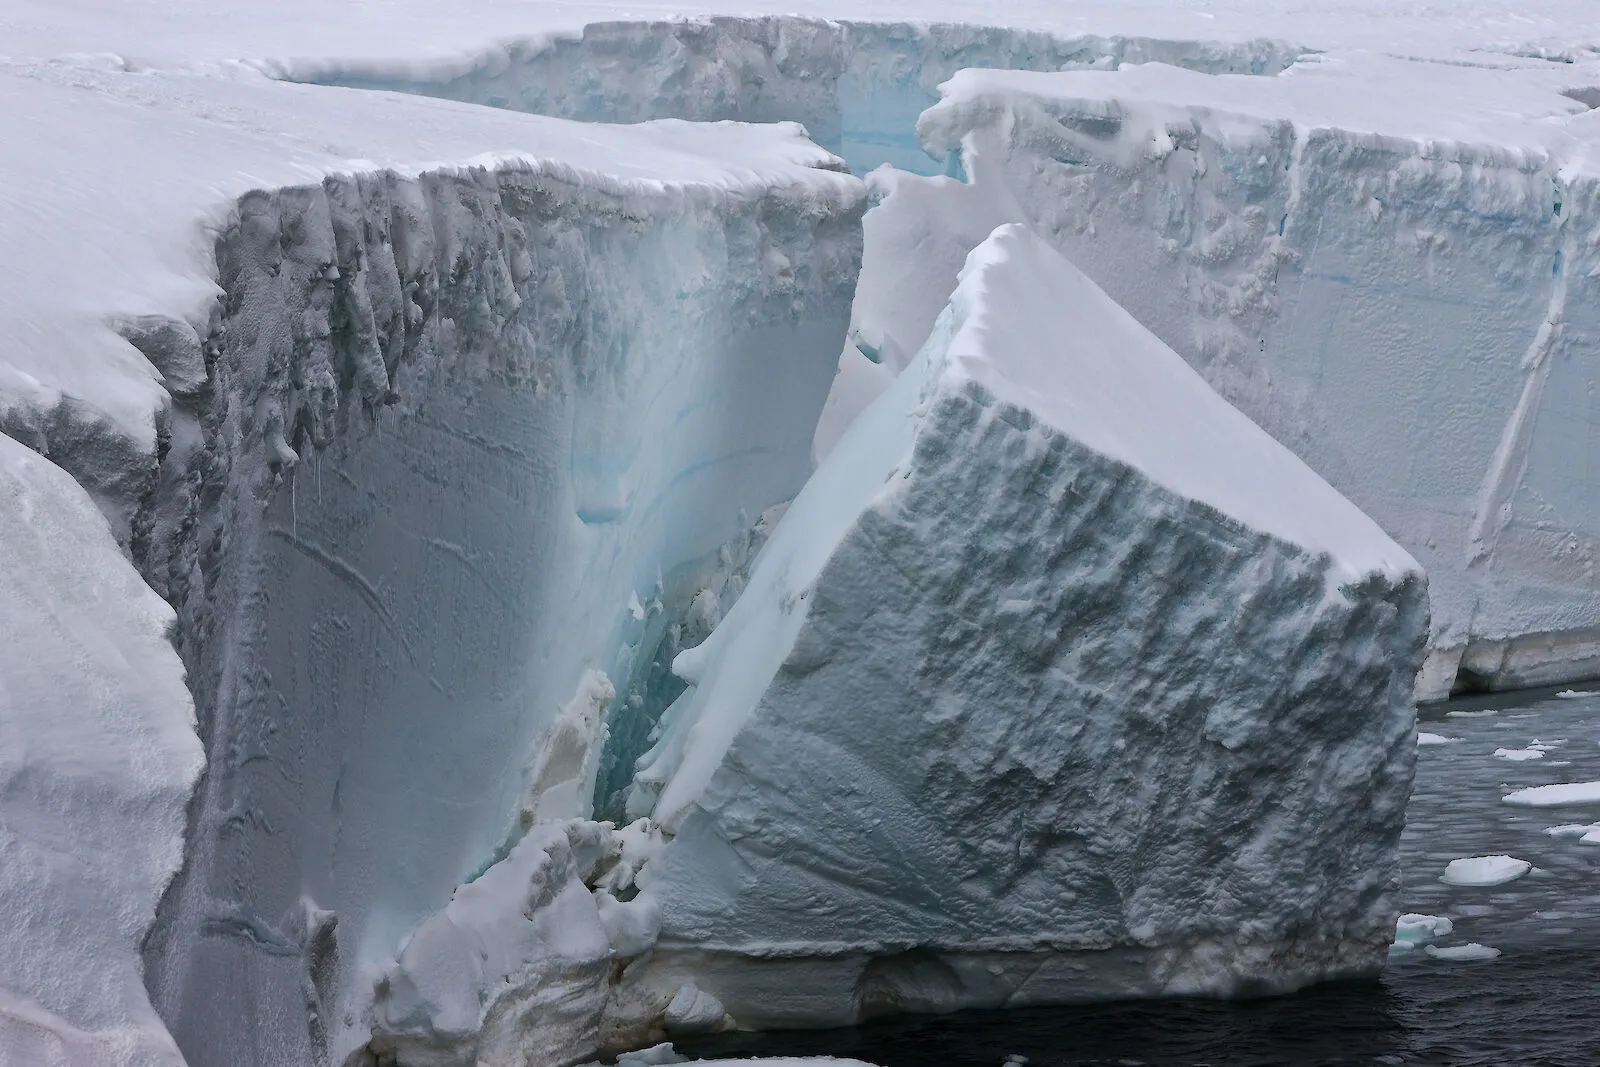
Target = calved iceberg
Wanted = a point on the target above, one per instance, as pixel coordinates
(1060, 680)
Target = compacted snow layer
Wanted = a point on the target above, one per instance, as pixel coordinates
(97, 759)
(1389, 264)
(1032, 698)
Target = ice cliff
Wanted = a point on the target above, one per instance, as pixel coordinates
(448, 431)
(457, 426)
(422, 455)
(1059, 680)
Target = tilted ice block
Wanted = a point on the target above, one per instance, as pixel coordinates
(1060, 680)
(1390, 265)
(98, 756)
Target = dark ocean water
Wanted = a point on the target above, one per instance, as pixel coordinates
(1538, 1003)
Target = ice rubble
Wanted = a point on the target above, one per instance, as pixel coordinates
(1365, 280)
(1019, 702)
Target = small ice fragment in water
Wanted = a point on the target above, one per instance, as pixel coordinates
(1484, 871)
(1574, 694)
(1551, 796)
(1546, 746)
(1413, 928)
(1435, 739)
(1486, 712)
(1471, 951)
(1573, 829)
(1517, 755)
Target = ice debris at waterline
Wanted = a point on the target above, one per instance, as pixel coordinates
(1484, 871)
(1054, 640)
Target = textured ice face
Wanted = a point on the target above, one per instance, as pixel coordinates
(1004, 718)
(459, 428)
(1367, 281)
(857, 86)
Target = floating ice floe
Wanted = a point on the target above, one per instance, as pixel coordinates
(1435, 739)
(1470, 951)
(1414, 930)
(1518, 755)
(1552, 796)
(1587, 832)
(1577, 694)
(1484, 871)
(1481, 714)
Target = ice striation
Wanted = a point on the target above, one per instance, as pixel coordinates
(1033, 698)
(1364, 280)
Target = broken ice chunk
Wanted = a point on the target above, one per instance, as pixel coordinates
(1051, 602)
(1484, 871)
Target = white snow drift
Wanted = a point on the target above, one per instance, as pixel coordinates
(97, 758)
(1052, 670)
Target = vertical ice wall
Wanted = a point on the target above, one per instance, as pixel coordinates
(1389, 265)
(858, 87)
(455, 427)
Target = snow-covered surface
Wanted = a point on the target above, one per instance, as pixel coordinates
(1484, 871)
(1555, 796)
(417, 33)
(151, 219)
(946, 575)
(98, 755)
